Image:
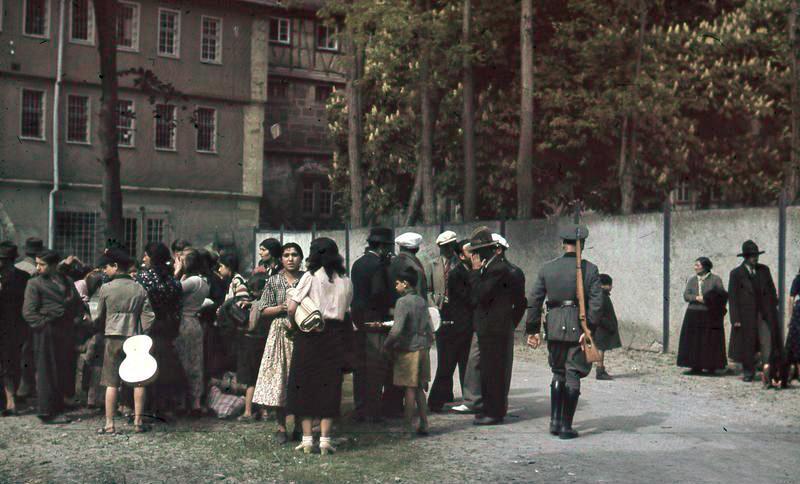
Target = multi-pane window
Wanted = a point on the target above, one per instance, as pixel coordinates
(78, 119)
(36, 21)
(128, 26)
(32, 114)
(277, 90)
(206, 123)
(322, 93)
(165, 126)
(169, 32)
(211, 40)
(325, 199)
(131, 235)
(326, 37)
(76, 234)
(126, 123)
(81, 21)
(307, 197)
(683, 192)
(316, 197)
(154, 230)
(280, 31)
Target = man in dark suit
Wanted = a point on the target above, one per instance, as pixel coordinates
(753, 302)
(373, 297)
(557, 282)
(13, 328)
(499, 303)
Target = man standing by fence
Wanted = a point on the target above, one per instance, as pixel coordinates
(557, 283)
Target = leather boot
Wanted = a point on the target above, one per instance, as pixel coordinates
(556, 404)
(570, 404)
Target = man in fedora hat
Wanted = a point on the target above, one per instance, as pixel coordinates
(557, 284)
(13, 328)
(33, 247)
(753, 302)
(499, 301)
(373, 297)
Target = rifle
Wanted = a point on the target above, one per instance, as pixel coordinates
(589, 349)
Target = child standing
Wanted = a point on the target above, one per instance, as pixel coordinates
(410, 341)
(606, 336)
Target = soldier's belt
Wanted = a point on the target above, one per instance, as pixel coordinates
(561, 304)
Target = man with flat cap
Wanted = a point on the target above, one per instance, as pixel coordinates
(408, 247)
(753, 302)
(557, 284)
(499, 302)
(373, 297)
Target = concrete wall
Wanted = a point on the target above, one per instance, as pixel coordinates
(631, 250)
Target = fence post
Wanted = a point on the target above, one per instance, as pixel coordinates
(503, 226)
(313, 230)
(576, 216)
(282, 230)
(666, 285)
(347, 247)
(782, 262)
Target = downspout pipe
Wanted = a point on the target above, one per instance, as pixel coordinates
(51, 210)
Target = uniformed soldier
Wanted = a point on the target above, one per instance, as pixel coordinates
(556, 283)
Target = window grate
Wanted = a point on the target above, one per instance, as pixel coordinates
(32, 114)
(36, 17)
(168, 32)
(126, 123)
(165, 126)
(211, 42)
(128, 26)
(206, 124)
(76, 234)
(78, 119)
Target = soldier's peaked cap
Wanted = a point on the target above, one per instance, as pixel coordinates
(573, 232)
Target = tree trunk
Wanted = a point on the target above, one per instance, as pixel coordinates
(111, 202)
(791, 175)
(413, 200)
(354, 132)
(627, 167)
(470, 184)
(428, 120)
(525, 154)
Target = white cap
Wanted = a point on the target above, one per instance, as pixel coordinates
(500, 240)
(446, 237)
(409, 240)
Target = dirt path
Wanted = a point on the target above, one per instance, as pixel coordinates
(652, 424)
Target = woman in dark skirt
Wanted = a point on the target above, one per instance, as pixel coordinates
(318, 360)
(792, 348)
(606, 335)
(702, 342)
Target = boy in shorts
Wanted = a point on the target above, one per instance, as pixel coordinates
(119, 312)
(409, 341)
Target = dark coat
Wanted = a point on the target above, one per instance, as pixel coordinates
(373, 292)
(13, 330)
(751, 298)
(498, 298)
(458, 307)
(606, 334)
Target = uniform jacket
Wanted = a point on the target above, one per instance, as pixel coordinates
(556, 283)
(373, 292)
(405, 259)
(119, 307)
(48, 302)
(751, 298)
(498, 298)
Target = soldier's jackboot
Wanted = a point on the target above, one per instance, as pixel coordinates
(556, 406)
(570, 404)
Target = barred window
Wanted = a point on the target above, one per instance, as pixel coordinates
(206, 124)
(76, 234)
(131, 235)
(32, 114)
(78, 119)
(307, 202)
(280, 31)
(36, 22)
(165, 126)
(126, 123)
(169, 32)
(154, 230)
(81, 25)
(326, 38)
(128, 26)
(211, 40)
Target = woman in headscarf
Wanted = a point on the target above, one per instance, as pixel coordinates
(318, 362)
(273, 375)
(702, 342)
(161, 320)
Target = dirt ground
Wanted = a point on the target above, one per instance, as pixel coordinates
(652, 424)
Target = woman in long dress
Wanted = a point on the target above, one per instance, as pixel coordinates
(189, 342)
(702, 342)
(273, 374)
(318, 362)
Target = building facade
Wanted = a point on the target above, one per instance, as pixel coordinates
(305, 67)
(192, 160)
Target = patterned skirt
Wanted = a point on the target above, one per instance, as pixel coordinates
(273, 374)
